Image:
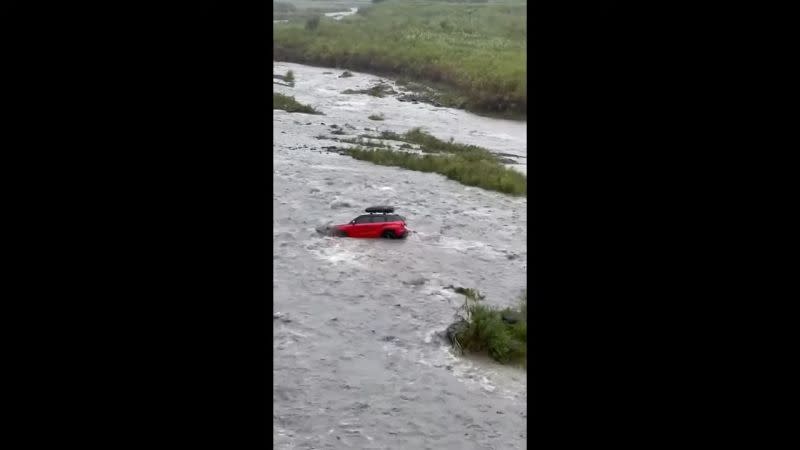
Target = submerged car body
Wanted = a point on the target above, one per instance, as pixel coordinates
(378, 223)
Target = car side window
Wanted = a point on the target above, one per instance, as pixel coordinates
(362, 219)
(378, 218)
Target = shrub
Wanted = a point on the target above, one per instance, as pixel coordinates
(487, 332)
(312, 23)
(289, 104)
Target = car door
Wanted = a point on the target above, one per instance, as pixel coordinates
(376, 225)
(393, 222)
(361, 226)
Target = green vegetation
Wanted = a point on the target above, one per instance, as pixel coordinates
(431, 144)
(312, 23)
(288, 78)
(502, 334)
(468, 164)
(481, 173)
(474, 51)
(391, 135)
(289, 104)
(379, 90)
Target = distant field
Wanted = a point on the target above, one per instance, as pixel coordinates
(476, 50)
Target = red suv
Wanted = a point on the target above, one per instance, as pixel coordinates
(380, 222)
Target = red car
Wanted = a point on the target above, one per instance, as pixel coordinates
(380, 222)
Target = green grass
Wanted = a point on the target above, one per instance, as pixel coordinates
(480, 173)
(289, 104)
(431, 144)
(488, 333)
(379, 90)
(476, 51)
(468, 164)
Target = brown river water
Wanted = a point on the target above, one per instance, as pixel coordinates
(359, 361)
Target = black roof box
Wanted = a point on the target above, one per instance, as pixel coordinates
(380, 209)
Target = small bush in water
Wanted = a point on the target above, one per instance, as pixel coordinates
(489, 333)
(289, 104)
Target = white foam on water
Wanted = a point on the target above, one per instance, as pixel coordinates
(341, 14)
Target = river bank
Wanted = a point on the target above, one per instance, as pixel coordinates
(472, 54)
(324, 90)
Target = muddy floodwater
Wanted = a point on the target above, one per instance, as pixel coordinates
(340, 15)
(359, 360)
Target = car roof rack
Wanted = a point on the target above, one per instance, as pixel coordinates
(380, 209)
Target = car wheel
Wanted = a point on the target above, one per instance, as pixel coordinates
(388, 234)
